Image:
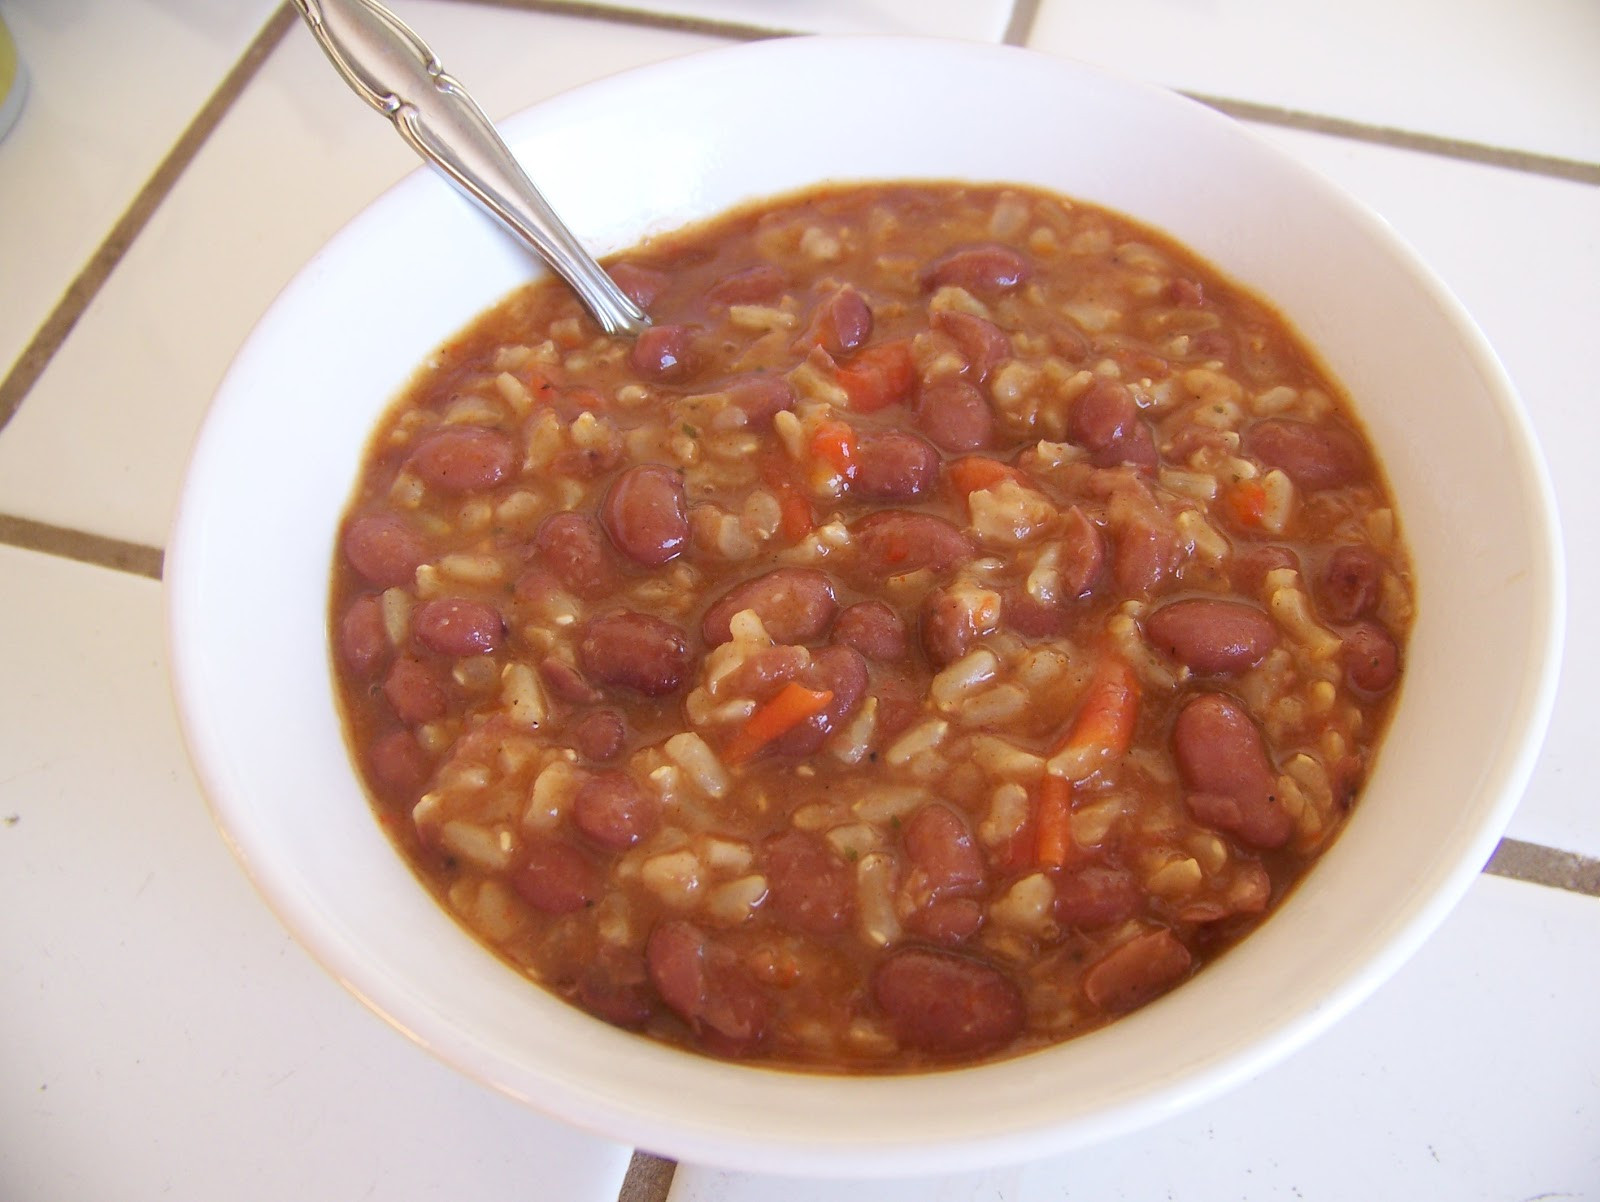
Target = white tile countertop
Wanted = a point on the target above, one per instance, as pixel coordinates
(177, 161)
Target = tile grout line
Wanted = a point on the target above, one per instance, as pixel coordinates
(80, 293)
(649, 1178)
(1552, 166)
(1537, 864)
(1020, 28)
(621, 15)
(94, 549)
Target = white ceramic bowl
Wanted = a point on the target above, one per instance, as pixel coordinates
(248, 567)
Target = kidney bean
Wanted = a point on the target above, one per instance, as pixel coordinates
(1350, 581)
(1186, 293)
(635, 651)
(796, 605)
(758, 283)
(572, 547)
(566, 682)
(616, 987)
(874, 629)
(760, 396)
(1030, 617)
(840, 322)
(841, 671)
(557, 878)
(664, 353)
(468, 459)
(613, 810)
(1096, 896)
(1147, 553)
(599, 735)
(947, 1004)
(646, 514)
(955, 415)
(810, 888)
(1208, 634)
(414, 693)
(1313, 456)
(1370, 657)
(895, 541)
(706, 985)
(1141, 969)
(894, 466)
(983, 344)
(947, 921)
(1252, 562)
(363, 639)
(1229, 780)
(1083, 553)
(1106, 421)
(948, 630)
(399, 761)
(985, 270)
(456, 626)
(642, 285)
(764, 670)
(940, 854)
(383, 549)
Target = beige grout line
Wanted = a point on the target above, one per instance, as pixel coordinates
(95, 549)
(1540, 865)
(1403, 139)
(619, 14)
(649, 1179)
(36, 356)
(1020, 28)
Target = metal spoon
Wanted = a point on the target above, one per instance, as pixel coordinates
(393, 70)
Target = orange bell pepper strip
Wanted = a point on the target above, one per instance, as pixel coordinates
(835, 442)
(973, 473)
(1053, 823)
(1102, 729)
(789, 707)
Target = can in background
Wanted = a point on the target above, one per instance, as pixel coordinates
(13, 80)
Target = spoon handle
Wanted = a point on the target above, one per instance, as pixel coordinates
(393, 70)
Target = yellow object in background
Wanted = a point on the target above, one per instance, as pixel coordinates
(13, 81)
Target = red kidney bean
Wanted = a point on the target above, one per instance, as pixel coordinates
(1096, 896)
(947, 921)
(573, 549)
(947, 1004)
(1137, 971)
(383, 549)
(413, 691)
(1313, 456)
(1147, 553)
(363, 638)
(948, 631)
(810, 888)
(456, 626)
(1252, 561)
(613, 810)
(1083, 553)
(599, 735)
(841, 322)
(467, 459)
(1030, 617)
(635, 651)
(955, 415)
(566, 682)
(796, 605)
(646, 514)
(706, 985)
(940, 854)
(1229, 780)
(894, 466)
(664, 353)
(765, 669)
(751, 284)
(1370, 657)
(557, 878)
(1208, 634)
(895, 541)
(1186, 293)
(1106, 421)
(842, 672)
(399, 761)
(874, 629)
(986, 270)
(642, 285)
(983, 344)
(1350, 583)
(616, 987)
(760, 396)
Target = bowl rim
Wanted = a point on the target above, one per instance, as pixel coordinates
(682, 1134)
